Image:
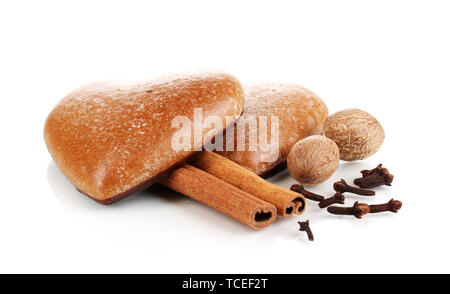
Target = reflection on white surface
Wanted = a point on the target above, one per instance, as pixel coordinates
(159, 217)
(166, 219)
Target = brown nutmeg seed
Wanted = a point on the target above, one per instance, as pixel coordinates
(313, 160)
(357, 133)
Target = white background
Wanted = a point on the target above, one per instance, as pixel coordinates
(390, 58)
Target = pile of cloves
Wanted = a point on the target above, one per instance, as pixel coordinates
(376, 177)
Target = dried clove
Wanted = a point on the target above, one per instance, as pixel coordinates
(299, 188)
(358, 210)
(392, 205)
(342, 187)
(375, 177)
(304, 226)
(338, 198)
(368, 172)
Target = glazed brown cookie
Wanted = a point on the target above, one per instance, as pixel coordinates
(112, 139)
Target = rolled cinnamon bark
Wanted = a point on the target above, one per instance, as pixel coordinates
(286, 201)
(220, 195)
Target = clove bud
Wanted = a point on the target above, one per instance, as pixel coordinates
(342, 187)
(358, 210)
(392, 205)
(378, 176)
(299, 188)
(338, 198)
(304, 226)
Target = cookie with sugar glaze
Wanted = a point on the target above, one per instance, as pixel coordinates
(301, 113)
(112, 139)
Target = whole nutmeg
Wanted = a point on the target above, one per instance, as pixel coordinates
(313, 160)
(357, 133)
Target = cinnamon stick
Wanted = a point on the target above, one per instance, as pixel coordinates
(286, 201)
(226, 198)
